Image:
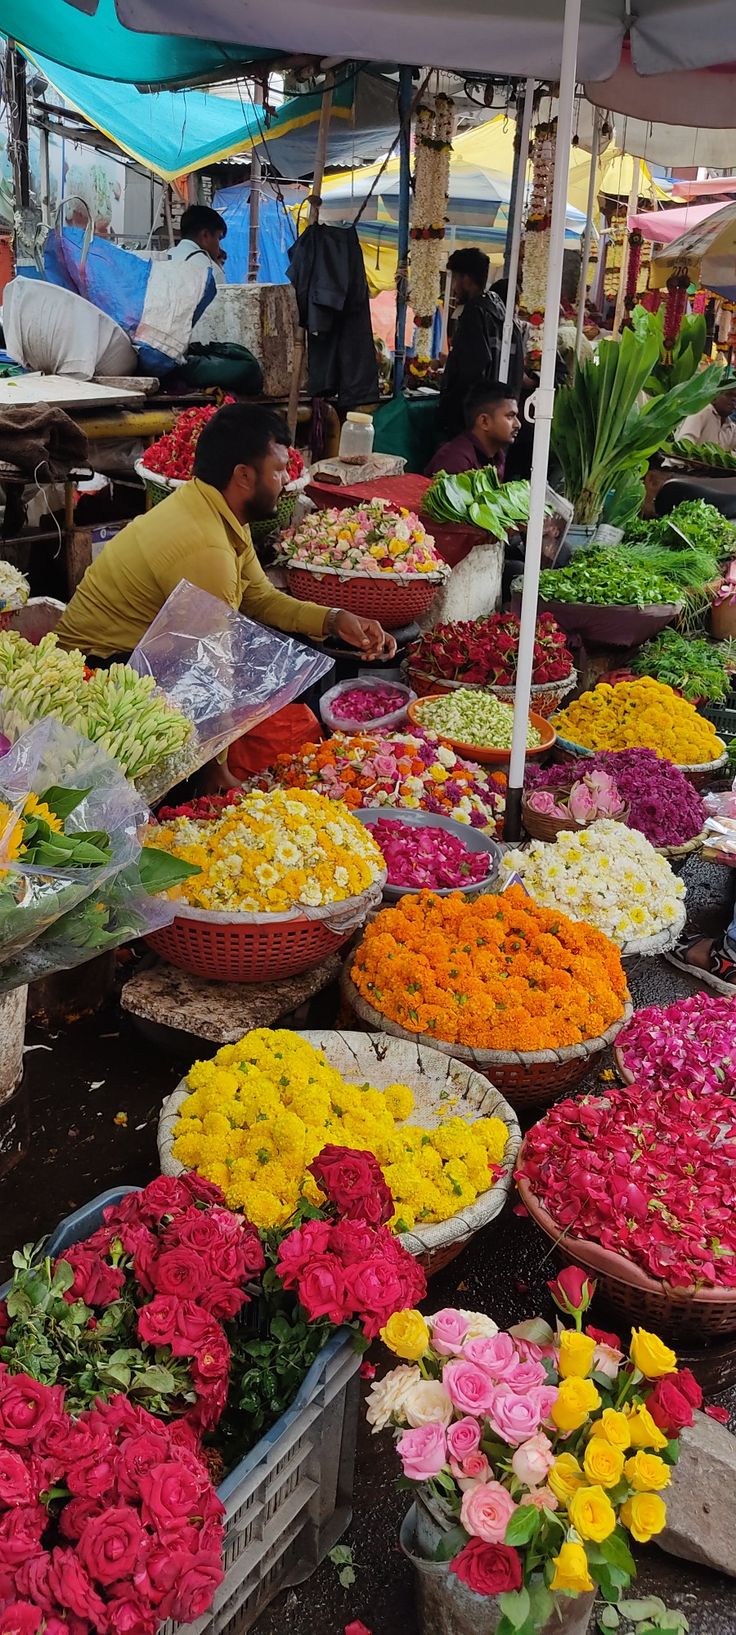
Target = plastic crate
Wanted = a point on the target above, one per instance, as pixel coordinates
(290, 1500)
(723, 717)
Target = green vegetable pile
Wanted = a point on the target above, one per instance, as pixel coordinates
(469, 717)
(694, 522)
(478, 497)
(701, 454)
(607, 577)
(693, 666)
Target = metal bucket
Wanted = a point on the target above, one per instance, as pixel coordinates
(447, 1607)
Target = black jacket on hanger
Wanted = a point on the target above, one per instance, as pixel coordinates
(327, 270)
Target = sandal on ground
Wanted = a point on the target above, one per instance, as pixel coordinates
(720, 972)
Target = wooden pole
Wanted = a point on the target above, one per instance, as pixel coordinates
(315, 201)
(254, 207)
(631, 210)
(588, 234)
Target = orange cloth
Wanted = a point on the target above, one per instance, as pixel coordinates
(279, 734)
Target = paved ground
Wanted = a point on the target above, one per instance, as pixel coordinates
(94, 1070)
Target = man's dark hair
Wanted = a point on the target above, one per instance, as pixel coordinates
(239, 434)
(485, 396)
(473, 263)
(201, 218)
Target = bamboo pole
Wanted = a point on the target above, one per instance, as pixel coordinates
(588, 234)
(516, 212)
(631, 210)
(315, 201)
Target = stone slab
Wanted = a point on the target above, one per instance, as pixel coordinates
(701, 1498)
(219, 1011)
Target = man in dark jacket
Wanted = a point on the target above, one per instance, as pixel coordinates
(476, 346)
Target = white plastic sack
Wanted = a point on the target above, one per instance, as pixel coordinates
(59, 333)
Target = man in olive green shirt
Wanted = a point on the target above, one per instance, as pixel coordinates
(201, 533)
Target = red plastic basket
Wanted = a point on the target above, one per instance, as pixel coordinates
(393, 602)
(260, 951)
(6, 619)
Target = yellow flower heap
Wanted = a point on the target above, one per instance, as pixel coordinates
(642, 714)
(273, 852)
(260, 1113)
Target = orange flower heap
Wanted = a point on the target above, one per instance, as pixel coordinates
(499, 973)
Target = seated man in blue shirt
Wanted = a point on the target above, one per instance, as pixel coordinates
(491, 424)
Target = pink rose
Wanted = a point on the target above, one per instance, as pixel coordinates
(515, 1419)
(472, 1469)
(525, 1376)
(449, 1329)
(497, 1354)
(486, 1511)
(468, 1387)
(423, 1452)
(532, 1460)
(15, 1479)
(542, 1498)
(544, 1397)
(111, 1543)
(196, 1587)
(463, 1437)
(26, 1408)
(20, 1618)
(72, 1588)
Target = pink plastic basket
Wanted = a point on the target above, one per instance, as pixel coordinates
(393, 602)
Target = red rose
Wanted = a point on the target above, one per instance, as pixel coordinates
(213, 1359)
(20, 1618)
(157, 1321)
(167, 1195)
(374, 1289)
(72, 1588)
(687, 1383)
(94, 1476)
(179, 1272)
(603, 1337)
(96, 1282)
(110, 1544)
(4, 1320)
(119, 1414)
(32, 1581)
(488, 1569)
(26, 1407)
(15, 1479)
(59, 1442)
(182, 1436)
(323, 1290)
(138, 1455)
(196, 1588)
(669, 1406)
(172, 1495)
(129, 1614)
(202, 1191)
(137, 1240)
(21, 1531)
(351, 1241)
(300, 1247)
(76, 1514)
(354, 1183)
(222, 1299)
(194, 1325)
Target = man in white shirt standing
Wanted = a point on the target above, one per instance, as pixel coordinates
(202, 231)
(714, 424)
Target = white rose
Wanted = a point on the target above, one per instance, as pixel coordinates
(480, 1326)
(427, 1403)
(385, 1400)
(607, 1361)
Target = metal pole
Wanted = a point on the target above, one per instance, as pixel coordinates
(44, 177)
(516, 211)
(544, 403)
(588, 234)
(631, 210)
(402, 262)
(315, 201)
(446, 296)
(255, 198)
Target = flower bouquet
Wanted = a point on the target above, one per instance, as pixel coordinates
(535, 1456)
(609, 876)
(545, 812)
(448, 971)
(283, 878)
(375, 559)
(484, 653)
(661, 801)
(637, 1185)
(689, 1046)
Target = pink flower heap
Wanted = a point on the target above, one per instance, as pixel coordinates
(688, 1046)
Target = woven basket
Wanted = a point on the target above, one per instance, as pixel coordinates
(545, 697)
(530, 1079)
(259, 947)
(698, 774)
(392, 600)
(432, 1076)
(690, 846)
(157, 488)
(660, 943)
(268, 527)
(542, 827)
(676, 1314)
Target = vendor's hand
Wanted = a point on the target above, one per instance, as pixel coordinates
(367, 634)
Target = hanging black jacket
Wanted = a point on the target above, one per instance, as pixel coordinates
(327, 270)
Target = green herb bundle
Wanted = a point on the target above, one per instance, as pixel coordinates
(479, 498)
(693, 666)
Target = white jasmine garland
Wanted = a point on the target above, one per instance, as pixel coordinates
(14, 588)
(607, 875)
(434, 132)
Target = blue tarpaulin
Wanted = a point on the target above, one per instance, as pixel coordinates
(96, 42)
(276, 233)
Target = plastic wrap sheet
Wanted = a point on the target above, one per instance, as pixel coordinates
(384, 723)
(33, 897)
(222, 670)
(117, 912)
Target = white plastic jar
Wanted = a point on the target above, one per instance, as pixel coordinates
(356, 439)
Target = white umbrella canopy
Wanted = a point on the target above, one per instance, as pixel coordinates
(481, 35)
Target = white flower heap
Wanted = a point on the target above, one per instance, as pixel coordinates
(609, 876)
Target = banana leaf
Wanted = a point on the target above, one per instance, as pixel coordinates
(678, 363)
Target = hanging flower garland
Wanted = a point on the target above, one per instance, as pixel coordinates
(536, 243)
(434, 132)
(676, 306)
(636, 240)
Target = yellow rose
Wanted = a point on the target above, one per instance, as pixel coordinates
(407, 1335)
(615, 1427)
(576, 1399)
(603, 1463)
(592, 1514)
(650, 1355)
(643, 1431)
(644, 1515)
(571, 1570)
(565, 1477)
(647, 1473)
(576, 1354)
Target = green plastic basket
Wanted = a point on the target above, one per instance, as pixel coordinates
(723, 717)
